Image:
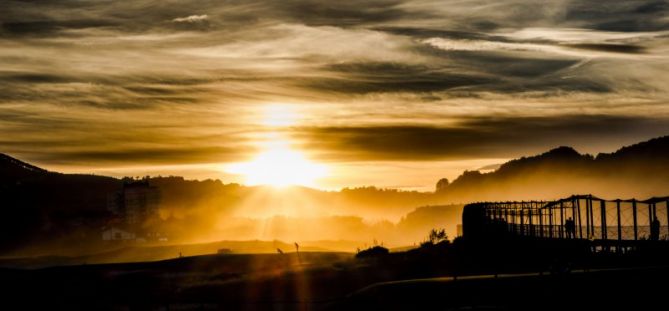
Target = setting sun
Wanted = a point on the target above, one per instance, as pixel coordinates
(279, 166)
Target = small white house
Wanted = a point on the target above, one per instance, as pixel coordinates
(113, 234)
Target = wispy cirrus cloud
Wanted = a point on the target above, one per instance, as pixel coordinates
(191, 19)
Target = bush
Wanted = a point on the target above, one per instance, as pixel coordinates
(372, 252)
(437, 236)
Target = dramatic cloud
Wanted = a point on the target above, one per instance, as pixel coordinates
(106, 83)
(483, 137)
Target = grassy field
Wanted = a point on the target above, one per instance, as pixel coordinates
(136, 252)
(310, 278)
(445, 277)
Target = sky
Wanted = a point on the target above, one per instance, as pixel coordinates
(370, 92)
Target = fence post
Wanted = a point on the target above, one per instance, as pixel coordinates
(650, 216)
(522, 221)
(602, 207)
(667, 208)
(587, 218)
(592, 217)
(636, 234)
(561, 231)
(550, 221)
(506, 217)
(573, 216)
(529, 218)
(516, 219)
(541, 223)
(620, 234)
(580, 223)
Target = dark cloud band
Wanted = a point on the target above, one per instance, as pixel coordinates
(485, 137)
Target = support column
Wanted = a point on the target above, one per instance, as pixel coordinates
(573, 216)
(636, 233)
(592, 217)
(516, 218)
(667, 209)
(580, 223)
(541, 223)
(620, 234)
(529, 216)
(602, 207)
(561, 221)
(587, 218)
(650, 216)
(550, 221)
(506, 217)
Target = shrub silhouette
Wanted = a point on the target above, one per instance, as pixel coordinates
(372, 252)
(436, 236)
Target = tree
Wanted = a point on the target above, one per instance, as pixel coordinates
(437, 236)
(442, 184)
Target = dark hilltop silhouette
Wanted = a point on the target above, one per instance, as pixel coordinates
(632, 171)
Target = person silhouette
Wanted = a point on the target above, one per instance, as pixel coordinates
(297, 250)
(570, 228)
(655, 229)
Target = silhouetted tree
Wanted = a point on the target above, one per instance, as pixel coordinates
(442, 184)
(437, 236)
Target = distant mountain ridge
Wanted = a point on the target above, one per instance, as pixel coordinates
(654, 149)
(637, 170)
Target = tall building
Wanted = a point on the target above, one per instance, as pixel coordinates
(140, 201)
(136, 209)
(136, 203)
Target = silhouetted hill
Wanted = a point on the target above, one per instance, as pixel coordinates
(39, 204)
(561, 157)
(640, 170)
(12, 169)
(656, 148)
(24, 185)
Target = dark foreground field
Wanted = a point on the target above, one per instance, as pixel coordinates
(440, 278)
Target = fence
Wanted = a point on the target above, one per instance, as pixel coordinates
(576, 217)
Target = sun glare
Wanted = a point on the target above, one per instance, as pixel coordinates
(278, 164)
(279, 167)
(279, 115)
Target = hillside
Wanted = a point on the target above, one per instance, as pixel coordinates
(53, 211)
(12, 169)
(38, 203)
(640, 170)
